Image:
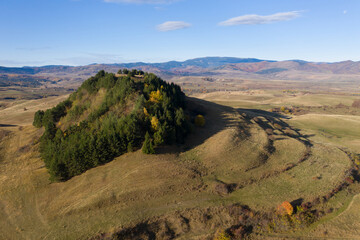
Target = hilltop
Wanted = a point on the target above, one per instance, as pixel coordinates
(108, 116)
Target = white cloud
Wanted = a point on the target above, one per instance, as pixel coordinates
(141, 1)
(172, 25)
(345, 12)
(258, 19)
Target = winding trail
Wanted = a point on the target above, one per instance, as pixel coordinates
(349, 206)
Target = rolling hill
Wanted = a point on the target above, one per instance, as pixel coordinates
(249, 68)
(229, 178)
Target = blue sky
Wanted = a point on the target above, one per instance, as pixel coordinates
(79, 32)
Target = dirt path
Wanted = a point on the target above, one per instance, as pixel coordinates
(349, 206)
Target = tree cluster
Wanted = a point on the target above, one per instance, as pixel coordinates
(131, 73)
(156, 117)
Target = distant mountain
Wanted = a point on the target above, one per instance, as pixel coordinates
(206, 62)
(208, 66)
(14, 70)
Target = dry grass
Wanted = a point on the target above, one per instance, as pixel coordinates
(298, 182)
(16, 115)
(260, 99)
(344, 222)
(133, 187)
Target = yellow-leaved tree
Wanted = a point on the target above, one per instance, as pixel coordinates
(146, 112)
(154, 123)
(156, 96)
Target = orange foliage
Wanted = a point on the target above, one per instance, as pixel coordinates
(285, 208)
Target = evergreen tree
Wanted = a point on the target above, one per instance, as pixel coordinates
(147, 147)
(133, 72)
(110, 127)
(38, 118)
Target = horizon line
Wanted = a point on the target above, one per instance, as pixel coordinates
(161, 62)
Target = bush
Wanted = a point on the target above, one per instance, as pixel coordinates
(356, 104)
(38, 118)
(200, 120)
(76, 112)
(285, 208)
(221, 235)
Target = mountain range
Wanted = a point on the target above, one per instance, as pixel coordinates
(248, 68)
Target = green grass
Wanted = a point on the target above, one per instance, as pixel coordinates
(338, 130)
(298, 182)
(270, 99)
(343, 222)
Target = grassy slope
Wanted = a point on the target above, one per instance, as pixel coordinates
(16, 115)
(343, 223)
(298, 182)
(338, 130)
(326, 130)
(260, 99)
(136, 186)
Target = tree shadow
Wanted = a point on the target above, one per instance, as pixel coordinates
(217, 117)
(276, 119)
(8, 125)
(296, 203)
(263, 113)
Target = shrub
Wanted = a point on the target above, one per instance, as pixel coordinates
(221, 235)
(285, 208)
(200, 120)
(38, 118)
(76, 112)
(356, 104)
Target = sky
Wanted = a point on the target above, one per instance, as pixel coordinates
(80, 32)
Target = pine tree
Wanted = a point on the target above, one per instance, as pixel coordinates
(38, 119)
(147, 146)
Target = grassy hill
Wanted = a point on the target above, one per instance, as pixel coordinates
(241, 165)
(108, 116)
(230, 174)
